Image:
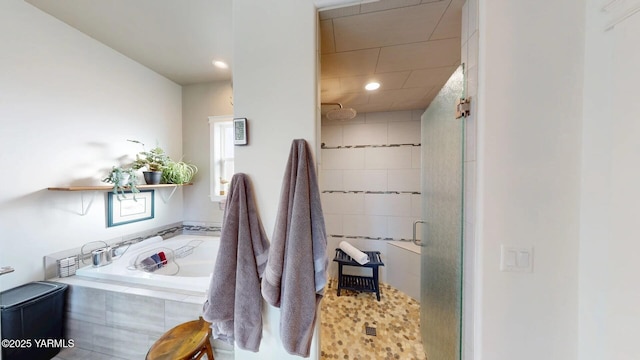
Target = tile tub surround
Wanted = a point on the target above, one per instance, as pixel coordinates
(405, 272)
(396, 318)
(123, 321)
(166, 232)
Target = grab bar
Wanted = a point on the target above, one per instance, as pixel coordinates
(415, 224)
(6, 270)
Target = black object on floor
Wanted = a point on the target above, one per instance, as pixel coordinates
(32, 313)
(359, 283)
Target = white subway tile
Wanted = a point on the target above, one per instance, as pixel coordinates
(388, 157)
(365, 134)
(416, 157)
(387, 204)
(331, 179)
(416, 115)
(365, 180)
(405, 132)
(401, 227)
(364, 225)
(404, 180)
(340, 203)
(343, 158)
(388, 116)
(333, 224)
(416, 205)
(331, 135)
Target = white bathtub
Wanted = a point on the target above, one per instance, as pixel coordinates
(190, 269)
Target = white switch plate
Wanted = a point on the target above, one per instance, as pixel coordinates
(516, 259)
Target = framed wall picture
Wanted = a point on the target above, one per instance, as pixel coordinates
(127, 209)
(240, 131)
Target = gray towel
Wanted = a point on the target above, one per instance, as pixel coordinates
(234, 304)
(295, 276)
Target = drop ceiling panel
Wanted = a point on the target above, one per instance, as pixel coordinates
(396, 26)
(450, 25)
(386, 5)
(397, 95)
(410, 105)
(387, 80)
(422, 55)
(429, 77)
(410, 46)
(327, 45)
(328, 85)
(345, 99)
(340, 12)
(351, 63)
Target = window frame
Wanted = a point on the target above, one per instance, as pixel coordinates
(217, 125)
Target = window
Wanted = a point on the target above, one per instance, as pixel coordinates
(222, 169)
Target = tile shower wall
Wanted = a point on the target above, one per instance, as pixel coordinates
(370, 180)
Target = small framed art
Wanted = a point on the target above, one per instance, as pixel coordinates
(240, 131)
(124, 210)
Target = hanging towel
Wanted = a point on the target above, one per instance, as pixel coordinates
(295, 276)
(234, 304)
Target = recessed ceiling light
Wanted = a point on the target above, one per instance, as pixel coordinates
(220, 64)
(372, 86)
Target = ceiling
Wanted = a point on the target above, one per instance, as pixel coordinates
(409, 46)
(177, 39)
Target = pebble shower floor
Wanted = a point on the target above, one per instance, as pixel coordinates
(346, 321)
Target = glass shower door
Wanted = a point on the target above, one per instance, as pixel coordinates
(441, 257)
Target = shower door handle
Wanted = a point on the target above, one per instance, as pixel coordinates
(415, 225)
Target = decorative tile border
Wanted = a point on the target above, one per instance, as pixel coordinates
(340, 236)
(323, 146)
(370, 192)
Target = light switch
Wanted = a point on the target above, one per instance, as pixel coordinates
(514, 259)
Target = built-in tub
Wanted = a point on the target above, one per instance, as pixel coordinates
(190, 262)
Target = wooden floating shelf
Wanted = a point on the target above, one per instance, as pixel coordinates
(93, 189)
(99, 188)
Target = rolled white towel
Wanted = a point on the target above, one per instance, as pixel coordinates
(357, 255)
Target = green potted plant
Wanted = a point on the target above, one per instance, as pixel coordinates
(121, 179)
(154, 160)
(178, 172)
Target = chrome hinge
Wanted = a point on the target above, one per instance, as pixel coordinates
(463, 107)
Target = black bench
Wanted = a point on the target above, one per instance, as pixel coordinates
(359, 283)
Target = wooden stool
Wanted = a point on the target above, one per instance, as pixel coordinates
(184, 342)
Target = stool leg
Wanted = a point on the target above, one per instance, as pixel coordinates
(339, 277)
(376, 283)
(208, 349)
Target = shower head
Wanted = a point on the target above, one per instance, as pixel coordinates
(340, 114)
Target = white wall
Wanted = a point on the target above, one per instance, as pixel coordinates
(67, 106)
(528, 183)
(200, 101)
(275, 88)
(350, 178)
(609, 294)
